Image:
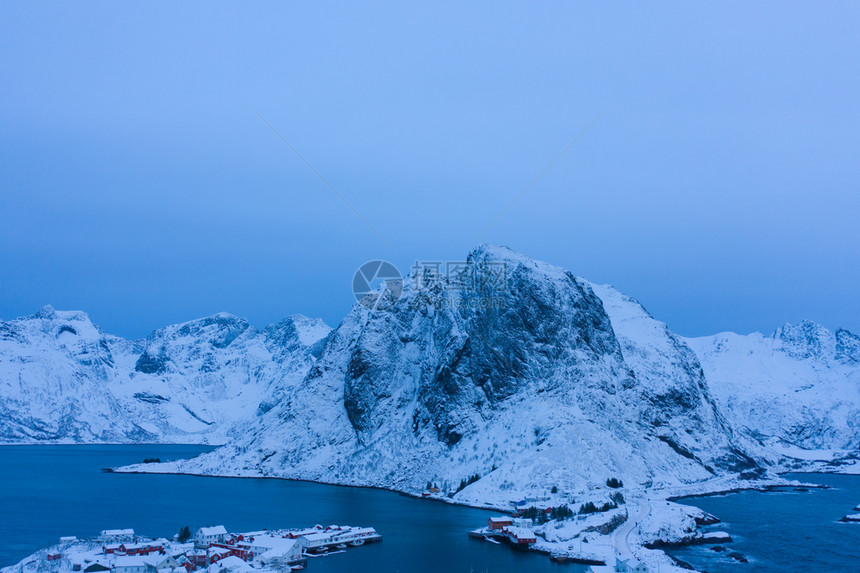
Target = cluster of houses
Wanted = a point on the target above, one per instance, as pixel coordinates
(211, 550)
(503, 528)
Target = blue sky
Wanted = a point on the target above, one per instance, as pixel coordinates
(138, 183)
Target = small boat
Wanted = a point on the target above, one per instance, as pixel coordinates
(357, 542)
(491, 540)
(342, 546)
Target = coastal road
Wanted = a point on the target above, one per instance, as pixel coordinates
(636, 512)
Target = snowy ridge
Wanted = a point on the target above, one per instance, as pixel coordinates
(799, 386)
(64, 380)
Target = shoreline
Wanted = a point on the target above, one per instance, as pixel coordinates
(762, 489)
(559, 555)
(448, 501)
(561, 550)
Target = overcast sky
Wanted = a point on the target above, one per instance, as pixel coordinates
(719, 188)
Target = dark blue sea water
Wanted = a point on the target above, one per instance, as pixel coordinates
(50, 491)
(785, 531)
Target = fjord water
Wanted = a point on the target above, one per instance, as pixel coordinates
(784, 530)
(50, 491)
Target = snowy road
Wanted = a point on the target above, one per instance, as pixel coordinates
(636, 512)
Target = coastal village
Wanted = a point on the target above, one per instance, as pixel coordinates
(209, 550)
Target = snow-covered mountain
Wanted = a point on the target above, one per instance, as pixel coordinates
(64, 380)
(543, 380)
(800, 385)
(548, 380)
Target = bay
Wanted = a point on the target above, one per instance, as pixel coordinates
(49, 491)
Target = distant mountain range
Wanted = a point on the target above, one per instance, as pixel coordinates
(800, 385)
(557, 381)
(63, 380)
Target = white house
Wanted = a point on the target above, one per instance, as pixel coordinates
(159, 563)
(276, 551)
(116, 535)
(129, 564)
(210, 534)
(629, 566)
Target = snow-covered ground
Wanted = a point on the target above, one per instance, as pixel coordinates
(638, 528)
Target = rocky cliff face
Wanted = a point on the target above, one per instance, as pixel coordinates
(543, 380)
(64, 380)
(800, 385)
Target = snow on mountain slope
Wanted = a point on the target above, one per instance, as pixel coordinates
(64, 380)
(534, 384)
(801, 384)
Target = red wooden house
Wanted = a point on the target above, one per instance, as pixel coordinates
(499, 522)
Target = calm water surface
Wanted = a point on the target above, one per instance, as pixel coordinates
(782, 532)
(50, 491)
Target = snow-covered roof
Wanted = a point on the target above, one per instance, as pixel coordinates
(308, 531)
(129, 561)
(318, 536)
(117, 532)
(521, 532)
(263, 541)
(156, 560)
(501, 520)
(218, 550)
(283, 547)
(269, 543)
(145, 544)
(210, 531)
(231, 562)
